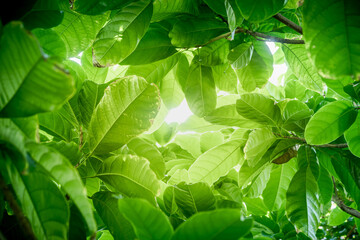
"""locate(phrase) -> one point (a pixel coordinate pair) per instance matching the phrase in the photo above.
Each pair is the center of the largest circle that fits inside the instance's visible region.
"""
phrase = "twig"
(350, 232)
(257, 35)
(288, 22)
(23, 221)
(340, 203)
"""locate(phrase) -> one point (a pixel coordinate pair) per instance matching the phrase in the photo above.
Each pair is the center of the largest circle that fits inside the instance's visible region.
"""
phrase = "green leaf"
(240, 56)
(30, 83)
(296, 110)
(170, 8)
(130, 102)
(217, 6)
(218, 224)
(228, 116)
(333, 43)
(214, 53)
(94, 7)
(258, 70)
(154, 46)
(149, 151)
(337, 217)
(121, 35)
(326, 186)
(50, 42)
(44, 14)
(233, 14)
(62, 171)
(156, 71)
(200, 90)
(216, 162)
(275, 192)
(209, 140)
(60, 123)
(330, 122)
(93, 73)
(170, 90)
(191, 32)
(130, 175)
(259, 108)
(106, 204)
(148, 222)
(256, 11)
(302, 202)
(78, 31)
(300, 64)
(352, 136)
(88, 98)
(255, 206)
(260, 140)
(193, 198)
(41, 200)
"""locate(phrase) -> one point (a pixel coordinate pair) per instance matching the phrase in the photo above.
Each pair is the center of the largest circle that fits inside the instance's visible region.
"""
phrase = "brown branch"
(288, 23)
(340, 203)
(257, 35)
(348, 235)
(23, 221)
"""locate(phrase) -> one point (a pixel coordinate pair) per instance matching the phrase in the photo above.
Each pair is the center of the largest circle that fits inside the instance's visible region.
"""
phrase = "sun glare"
(179, 114)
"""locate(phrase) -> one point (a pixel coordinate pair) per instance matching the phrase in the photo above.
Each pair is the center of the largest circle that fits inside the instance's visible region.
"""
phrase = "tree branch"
(257, 35)
(340, 203)
(23, 221)
(288, 23)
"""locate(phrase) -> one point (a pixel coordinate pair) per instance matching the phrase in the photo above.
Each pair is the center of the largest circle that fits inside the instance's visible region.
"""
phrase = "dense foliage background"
(86, 85)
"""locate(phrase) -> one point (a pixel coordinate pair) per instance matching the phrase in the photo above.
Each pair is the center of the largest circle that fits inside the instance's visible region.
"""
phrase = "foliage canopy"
(86, 152)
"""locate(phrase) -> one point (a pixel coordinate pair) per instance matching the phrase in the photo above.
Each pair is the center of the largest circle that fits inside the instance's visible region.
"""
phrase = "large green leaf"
(228, 116)
(330, 122)
(61, 123)
(258, 108)
(191, 32)
(125, 111)
(130, 175)
(352, 136)
(256, 11)
(235, 19)
(88, 98)
(121, 35)
(156, 71)
(50, 42)
(170, 8)
(258, 70)
(209, 140)
(275, 192)
(300, 64)
(154, 46)
(225, 78)
(106, 205)
(200, 90)
(214, 53)
(302, 202)
(42, 202)
(333, 42)
(30, 83)
(44, 14)
(95, 7)
(78, 31)
(148, 222)
(93, 73)
(240, 56)
(66, 175)
(216, 162)
(149, 151)
(224, 224)
(260, 140)
(193, 198)
(170, 90)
